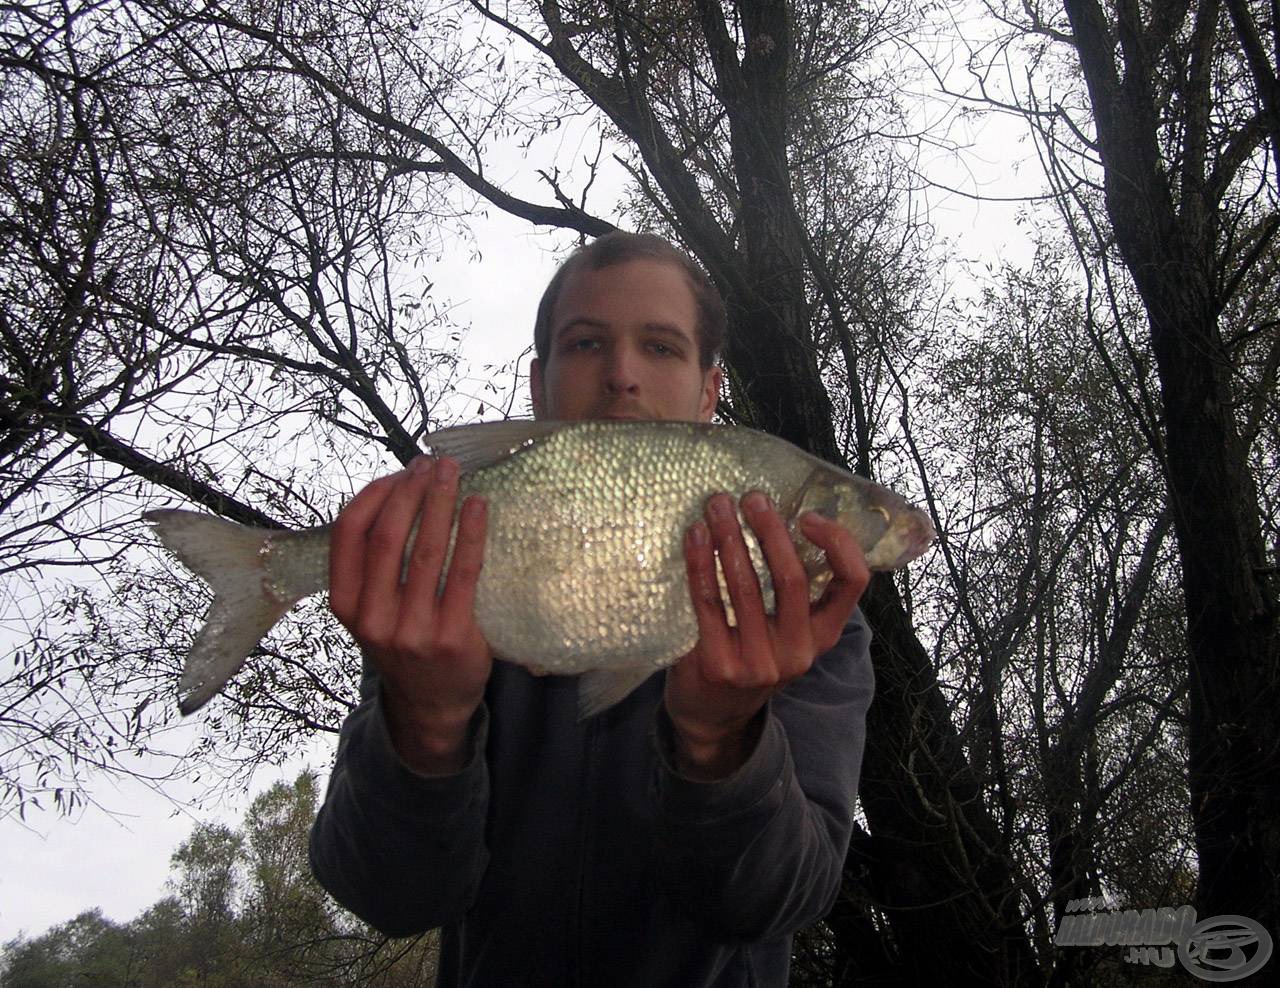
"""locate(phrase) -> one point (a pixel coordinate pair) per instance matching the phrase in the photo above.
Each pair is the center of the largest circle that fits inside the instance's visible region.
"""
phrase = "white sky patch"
(56, 868)
(53, 868)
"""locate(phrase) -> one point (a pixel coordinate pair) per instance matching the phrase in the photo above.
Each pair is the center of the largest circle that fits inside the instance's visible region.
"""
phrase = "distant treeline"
(241, 909)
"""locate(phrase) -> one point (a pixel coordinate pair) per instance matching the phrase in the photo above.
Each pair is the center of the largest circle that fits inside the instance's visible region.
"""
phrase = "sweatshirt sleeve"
(760, 854)
(404, 852)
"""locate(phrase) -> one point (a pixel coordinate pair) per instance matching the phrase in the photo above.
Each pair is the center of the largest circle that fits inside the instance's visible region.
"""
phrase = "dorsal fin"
(483, 444)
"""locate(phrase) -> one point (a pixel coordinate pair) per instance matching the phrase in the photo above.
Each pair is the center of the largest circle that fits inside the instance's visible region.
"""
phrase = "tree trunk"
(949, 893)
(941, 872)
(1231, 612)
(1231, 600)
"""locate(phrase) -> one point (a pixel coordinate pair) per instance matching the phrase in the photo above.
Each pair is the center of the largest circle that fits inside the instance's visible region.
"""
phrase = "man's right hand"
(424, 641)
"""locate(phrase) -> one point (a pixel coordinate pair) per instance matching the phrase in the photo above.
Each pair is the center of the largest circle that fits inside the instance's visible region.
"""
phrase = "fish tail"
(230, 558)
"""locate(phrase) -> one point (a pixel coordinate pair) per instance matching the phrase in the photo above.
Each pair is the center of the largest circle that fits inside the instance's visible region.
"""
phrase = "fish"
(584, 570)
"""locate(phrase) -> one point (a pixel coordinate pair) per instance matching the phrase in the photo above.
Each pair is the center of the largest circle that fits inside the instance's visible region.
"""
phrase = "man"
(679, 838)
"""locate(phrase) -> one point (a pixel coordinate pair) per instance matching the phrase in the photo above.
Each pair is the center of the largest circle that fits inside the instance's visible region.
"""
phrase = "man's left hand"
(714, 693)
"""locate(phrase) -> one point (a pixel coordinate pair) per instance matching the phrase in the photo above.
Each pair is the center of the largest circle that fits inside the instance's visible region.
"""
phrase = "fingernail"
(446, 470)
(721, 506)
(420, 465)
(756, 503)
(698, 533)
(474, 508)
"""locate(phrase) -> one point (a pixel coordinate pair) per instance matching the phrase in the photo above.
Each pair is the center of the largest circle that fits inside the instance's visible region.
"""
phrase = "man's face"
(624, 344)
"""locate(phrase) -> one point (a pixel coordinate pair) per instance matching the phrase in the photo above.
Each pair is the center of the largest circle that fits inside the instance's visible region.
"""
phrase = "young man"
(679, 838)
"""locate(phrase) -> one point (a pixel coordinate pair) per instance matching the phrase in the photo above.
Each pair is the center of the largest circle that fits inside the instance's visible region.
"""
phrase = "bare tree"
(1165, 162)
(202, 298)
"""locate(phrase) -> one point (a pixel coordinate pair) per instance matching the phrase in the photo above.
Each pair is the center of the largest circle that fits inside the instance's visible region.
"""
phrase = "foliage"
(244, 910)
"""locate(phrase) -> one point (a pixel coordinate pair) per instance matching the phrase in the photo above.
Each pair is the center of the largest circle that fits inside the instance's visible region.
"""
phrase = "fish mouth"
(916, 533)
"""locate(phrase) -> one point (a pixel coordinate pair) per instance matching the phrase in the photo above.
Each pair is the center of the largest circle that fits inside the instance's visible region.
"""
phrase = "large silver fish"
(584, 567)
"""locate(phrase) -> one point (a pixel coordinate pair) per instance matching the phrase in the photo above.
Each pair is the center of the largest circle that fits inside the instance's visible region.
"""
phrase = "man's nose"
(621, 373)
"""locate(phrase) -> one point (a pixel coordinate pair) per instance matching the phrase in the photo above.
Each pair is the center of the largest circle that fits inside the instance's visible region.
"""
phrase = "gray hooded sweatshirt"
(572, 853)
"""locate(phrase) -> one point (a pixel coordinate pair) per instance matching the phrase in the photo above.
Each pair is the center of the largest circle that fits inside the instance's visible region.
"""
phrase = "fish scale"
(591, 583)
(584, 568)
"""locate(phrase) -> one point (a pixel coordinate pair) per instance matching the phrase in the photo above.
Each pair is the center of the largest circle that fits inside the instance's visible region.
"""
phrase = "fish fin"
(236, 622)
(600, 689)
(225, 554)
(482, 444)
(229, 557)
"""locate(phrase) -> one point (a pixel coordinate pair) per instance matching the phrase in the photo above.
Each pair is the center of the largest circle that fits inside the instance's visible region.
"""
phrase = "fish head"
(889, 530)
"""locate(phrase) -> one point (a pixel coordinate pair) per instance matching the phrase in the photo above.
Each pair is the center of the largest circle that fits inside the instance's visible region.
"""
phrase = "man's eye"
(584, 344)
(664, 350)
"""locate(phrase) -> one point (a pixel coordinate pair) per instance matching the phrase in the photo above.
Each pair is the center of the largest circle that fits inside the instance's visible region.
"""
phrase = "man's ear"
(710, 394)
(536, 388)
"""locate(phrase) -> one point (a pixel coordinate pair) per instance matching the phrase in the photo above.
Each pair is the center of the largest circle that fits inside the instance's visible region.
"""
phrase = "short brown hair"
(619, 247)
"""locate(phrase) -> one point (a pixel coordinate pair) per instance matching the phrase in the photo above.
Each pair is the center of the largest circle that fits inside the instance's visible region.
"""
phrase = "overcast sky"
(53, 868)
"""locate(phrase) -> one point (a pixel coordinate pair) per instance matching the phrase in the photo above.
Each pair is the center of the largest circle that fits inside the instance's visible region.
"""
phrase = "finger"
(739, 574)
(849, 580)
(384, 562)
(347, 549)
(714, 634)
(430, 548)
(793, 642)
(457, 604)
